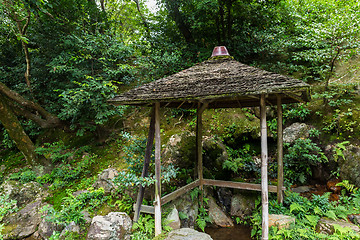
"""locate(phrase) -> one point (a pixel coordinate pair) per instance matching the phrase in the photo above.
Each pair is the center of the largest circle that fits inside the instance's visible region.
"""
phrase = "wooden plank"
(146, 209)
(280, 171)
(157, 203)
(179, 192)
(264, 176)
(238, 185)
(145, 171)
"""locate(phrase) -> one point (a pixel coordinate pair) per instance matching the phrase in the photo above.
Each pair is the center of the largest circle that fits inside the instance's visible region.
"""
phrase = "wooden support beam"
(200, 109)
(238, 185)
(157, 203)
(280, 171)
(295, 97)
(145, 171)
(146, 209)
(179, 192)
(264, 174)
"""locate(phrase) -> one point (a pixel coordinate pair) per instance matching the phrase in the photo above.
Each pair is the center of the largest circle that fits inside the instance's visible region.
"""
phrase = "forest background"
(60, 61)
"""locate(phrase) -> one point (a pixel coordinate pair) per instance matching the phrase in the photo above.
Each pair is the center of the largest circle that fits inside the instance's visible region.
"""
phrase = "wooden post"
(264, 176)
(145, 171)
(157, 203)
(280, 172)
(199, 150)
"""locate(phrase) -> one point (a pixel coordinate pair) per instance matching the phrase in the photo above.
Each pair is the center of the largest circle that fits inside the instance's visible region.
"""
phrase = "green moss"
(104, 210)
(8, 229)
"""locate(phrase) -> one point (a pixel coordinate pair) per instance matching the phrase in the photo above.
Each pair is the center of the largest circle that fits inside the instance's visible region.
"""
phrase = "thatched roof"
(223, 82)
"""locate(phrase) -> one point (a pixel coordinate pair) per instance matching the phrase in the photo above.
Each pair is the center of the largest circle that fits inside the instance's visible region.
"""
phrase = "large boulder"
(327, 226)
(295, 131)
(217, 215)
(23, 223)
(350, 164)
(47, 228)
(281, 221)
(189, 208)
(114, 226)
(242, 204)
(180, 150)
(23, 193)
(173, 219)
(105, 180)
(70, 229)
(187, 234)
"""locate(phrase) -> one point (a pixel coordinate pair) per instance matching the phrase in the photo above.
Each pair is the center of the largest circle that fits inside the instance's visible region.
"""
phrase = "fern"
(347, 185)
(339, 148)
(296, 207)
(312, 219)
(331, 214)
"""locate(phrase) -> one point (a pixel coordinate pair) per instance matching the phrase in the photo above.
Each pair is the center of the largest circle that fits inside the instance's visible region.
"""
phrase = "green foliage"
(202, 218)
(338, 150)
(240, 159)
(134, 154)
(299, 159)
(307, 213)
(296, 112)
(144, 228)
(86, 105)
(24, 176)
(72, 207)
(56, 151)
(350, 188)
(68, 174)
(7, 206)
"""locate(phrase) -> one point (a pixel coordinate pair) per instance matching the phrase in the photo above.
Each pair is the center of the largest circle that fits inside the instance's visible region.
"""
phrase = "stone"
(87, 217)
(187, 207)
(23, 223)
(281, 221)
(105, 180)
(301, 189)
(224, 195)
(70, 228)
(23, 193)
(217, 215)
(242, 204)
(173, 219)
(46, 229)
(114, 226)
(327, 226)
(187, 234)
(350, 166)
(295, 131)
(354, 219)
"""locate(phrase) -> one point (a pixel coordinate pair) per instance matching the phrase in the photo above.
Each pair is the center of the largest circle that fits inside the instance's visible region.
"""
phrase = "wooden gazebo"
(220, 82)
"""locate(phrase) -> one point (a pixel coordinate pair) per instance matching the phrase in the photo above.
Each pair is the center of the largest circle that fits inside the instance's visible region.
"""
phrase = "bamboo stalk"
(145, 171)
(264, 177)
(280, 172)
(157, 203)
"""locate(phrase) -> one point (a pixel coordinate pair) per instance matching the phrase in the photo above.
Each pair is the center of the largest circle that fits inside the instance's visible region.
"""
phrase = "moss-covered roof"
(223, 82)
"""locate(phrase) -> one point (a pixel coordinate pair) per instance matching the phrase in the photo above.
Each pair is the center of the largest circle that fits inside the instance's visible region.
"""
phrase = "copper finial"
(220, 51)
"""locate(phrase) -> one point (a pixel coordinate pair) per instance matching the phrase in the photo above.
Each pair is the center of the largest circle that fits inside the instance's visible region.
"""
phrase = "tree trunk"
(16, 132)
(173, 8)
(28, 109)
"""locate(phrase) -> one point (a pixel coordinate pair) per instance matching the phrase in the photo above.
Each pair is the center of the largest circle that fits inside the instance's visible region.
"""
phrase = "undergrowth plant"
(240, 160)
(307, 213)
(134, 148)
(300, 157)
(7, 206)
(72, 207)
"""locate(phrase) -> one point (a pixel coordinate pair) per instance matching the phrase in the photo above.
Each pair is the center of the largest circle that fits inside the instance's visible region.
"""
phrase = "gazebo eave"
(232, 100)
